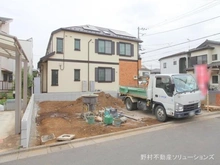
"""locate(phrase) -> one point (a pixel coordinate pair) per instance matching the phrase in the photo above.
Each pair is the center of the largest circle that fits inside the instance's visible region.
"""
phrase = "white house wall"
(170, 68)
(27, 46)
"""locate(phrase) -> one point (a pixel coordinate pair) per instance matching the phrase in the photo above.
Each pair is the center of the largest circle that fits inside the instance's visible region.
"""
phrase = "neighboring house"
(206, 53)
(7, 66)
(27, 46)
(89, 58)
(143, 71)
(176, 63)
(155, 71)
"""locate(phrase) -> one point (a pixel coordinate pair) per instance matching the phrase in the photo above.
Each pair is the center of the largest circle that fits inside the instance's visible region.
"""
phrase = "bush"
(3, 95)
(2, 101)
(10, 96)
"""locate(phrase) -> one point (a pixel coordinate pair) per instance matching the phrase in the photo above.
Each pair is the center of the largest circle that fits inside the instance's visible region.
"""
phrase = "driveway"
(7, 123)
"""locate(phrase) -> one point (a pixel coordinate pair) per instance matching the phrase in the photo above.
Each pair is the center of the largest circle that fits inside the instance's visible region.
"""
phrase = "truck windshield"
(184, 83)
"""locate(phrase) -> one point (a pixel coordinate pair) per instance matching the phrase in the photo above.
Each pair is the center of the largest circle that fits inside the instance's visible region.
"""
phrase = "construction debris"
(66, 137)
(123, 119)
(46, 138)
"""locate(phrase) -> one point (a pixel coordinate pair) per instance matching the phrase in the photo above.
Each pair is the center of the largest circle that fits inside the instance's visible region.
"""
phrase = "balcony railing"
(5, 85)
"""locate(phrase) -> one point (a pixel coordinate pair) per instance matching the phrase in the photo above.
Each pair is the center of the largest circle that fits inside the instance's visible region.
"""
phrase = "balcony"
(5, 86)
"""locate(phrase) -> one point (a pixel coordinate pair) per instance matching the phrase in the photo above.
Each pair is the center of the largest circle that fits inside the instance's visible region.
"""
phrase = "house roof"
(207, 42)
(155, 70)
(4, 19)
(201, 48)
(174, 55)
(100, 31)
(214, 64)
(45, 58)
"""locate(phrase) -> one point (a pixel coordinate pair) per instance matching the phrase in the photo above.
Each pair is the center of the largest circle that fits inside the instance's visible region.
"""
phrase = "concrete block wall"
(10, 104)
(26, 123)
(65, 96)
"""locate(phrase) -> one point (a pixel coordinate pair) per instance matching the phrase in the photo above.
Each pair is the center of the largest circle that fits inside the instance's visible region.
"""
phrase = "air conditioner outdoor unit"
(135, 77)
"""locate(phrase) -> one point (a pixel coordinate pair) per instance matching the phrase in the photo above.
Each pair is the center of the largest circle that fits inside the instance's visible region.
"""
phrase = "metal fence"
(5, 85)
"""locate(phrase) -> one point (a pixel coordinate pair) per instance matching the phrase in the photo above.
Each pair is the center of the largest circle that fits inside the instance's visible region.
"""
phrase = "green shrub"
(10, 96)
(3, 95)
(2, 101)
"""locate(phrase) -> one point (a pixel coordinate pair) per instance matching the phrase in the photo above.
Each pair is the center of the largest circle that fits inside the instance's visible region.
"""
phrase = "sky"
(37, 19)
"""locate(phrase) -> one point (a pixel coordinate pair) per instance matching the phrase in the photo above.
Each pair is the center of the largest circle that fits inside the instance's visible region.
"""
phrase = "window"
(77, 44)
(104, 74)
(164, 65)
(5, 77)
(10, 77)
(215, 79)
(198, 60)
(174, 62)
(125, 49)
(164, 82)
(54, 77)
(202, 59)
(214, 57)
(59, 45)
(105, 47)
(76, 74)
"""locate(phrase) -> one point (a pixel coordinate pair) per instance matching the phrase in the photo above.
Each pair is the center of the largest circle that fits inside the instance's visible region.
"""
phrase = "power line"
(183, 26)
(192, 12)
(180, 43)
(166, 52)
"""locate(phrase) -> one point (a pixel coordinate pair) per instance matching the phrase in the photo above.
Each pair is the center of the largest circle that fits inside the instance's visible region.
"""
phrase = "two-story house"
(7, 65)
(206, 53)
(89, 58)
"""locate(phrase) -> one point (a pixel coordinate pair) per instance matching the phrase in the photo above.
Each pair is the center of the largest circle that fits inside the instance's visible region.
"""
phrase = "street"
(189, 143)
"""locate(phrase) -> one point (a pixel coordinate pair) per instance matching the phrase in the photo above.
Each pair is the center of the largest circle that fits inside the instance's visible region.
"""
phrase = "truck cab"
(166, 95)
(174, 95)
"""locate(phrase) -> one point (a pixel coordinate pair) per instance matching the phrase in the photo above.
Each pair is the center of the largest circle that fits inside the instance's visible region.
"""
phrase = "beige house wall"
(66, 81)
(70, 53)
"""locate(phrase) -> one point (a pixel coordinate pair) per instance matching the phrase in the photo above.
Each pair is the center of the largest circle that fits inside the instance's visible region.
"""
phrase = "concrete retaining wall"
(70, 96)
(10, 104)
(26, 123)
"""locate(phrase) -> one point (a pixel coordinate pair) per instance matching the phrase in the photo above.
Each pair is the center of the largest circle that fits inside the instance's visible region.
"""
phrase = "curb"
(106, 135)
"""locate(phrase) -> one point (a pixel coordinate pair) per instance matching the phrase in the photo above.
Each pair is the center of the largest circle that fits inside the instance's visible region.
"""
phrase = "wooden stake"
(208, 101)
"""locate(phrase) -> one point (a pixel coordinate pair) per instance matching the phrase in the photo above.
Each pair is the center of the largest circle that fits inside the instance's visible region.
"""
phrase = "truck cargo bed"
(133, 91)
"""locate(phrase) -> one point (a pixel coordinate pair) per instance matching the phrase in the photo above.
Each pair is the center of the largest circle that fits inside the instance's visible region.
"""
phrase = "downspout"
(138, 64)
(88, 64)
(63, 52)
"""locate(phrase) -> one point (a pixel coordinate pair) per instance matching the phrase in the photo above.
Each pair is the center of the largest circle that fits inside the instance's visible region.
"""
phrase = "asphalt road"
(192, 143)
(7, 123)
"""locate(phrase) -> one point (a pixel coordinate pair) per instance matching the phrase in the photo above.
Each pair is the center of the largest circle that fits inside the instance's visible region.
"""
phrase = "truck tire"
(129, 105)
(160, 113)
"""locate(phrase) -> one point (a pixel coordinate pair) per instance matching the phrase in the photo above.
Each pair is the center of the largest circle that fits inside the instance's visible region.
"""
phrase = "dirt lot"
(63, 117)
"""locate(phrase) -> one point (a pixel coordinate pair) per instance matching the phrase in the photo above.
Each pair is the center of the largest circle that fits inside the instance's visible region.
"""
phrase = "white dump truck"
(166, 95)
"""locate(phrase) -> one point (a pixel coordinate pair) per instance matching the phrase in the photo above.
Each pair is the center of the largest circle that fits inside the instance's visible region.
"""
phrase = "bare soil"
(9, 143)
(63, 117)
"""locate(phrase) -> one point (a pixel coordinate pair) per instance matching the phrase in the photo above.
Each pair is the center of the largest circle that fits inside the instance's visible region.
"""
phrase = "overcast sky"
(38, 18)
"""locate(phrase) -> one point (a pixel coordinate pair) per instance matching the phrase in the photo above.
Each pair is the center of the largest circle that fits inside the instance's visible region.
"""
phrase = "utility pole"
(138, 49)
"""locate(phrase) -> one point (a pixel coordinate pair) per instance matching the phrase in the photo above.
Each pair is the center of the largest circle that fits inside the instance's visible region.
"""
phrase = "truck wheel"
(129, 105)
(160, 113)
